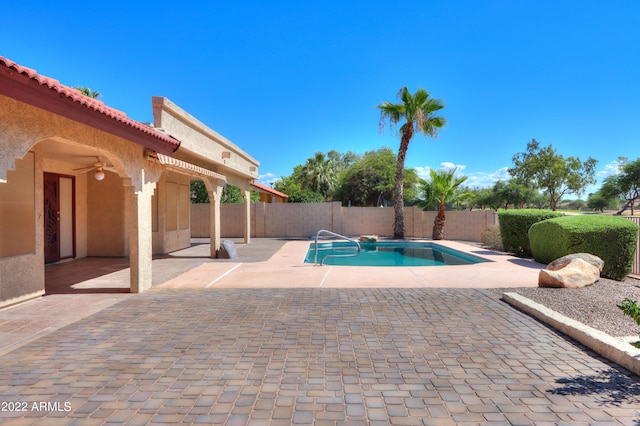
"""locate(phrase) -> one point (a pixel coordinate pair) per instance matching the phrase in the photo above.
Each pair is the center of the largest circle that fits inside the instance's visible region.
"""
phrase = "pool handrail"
(315, 248)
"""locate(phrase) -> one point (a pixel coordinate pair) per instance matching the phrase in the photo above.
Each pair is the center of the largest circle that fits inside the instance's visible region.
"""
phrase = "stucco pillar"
(140, 237)
(247, 214)
(215, 193)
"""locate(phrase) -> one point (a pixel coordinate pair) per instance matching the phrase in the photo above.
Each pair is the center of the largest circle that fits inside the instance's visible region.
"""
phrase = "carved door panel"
(51, 218)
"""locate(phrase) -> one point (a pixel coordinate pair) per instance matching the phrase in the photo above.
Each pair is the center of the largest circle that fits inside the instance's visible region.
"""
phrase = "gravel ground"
(594, 305)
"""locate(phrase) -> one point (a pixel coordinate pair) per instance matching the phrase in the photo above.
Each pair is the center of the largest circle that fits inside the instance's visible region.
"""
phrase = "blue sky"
(283, 80)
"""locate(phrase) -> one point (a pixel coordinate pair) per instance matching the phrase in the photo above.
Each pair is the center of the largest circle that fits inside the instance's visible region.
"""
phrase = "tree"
(513, 193)
(370, 181)
(230, 194)
(342, 161)
(428, 201)
(319, 174)
(292, 186)
(444, 184)
(485, 197)
(418, 113)
(88, 92)
(317, 179)
(235, 195)
(626, 184)
(543, 168)
(199, 194)
(599, 202)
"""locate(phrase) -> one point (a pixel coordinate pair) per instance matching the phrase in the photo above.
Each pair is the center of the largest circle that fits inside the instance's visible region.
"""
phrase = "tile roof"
(28, 77)
(265, 188)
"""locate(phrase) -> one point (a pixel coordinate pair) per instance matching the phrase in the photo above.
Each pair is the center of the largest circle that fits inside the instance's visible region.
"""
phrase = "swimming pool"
(391, 254)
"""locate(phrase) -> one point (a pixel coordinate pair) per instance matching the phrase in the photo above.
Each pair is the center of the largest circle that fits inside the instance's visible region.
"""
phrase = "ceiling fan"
(99, 166)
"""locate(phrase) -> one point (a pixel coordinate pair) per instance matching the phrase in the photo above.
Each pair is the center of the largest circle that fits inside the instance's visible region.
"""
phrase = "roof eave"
(26, 89)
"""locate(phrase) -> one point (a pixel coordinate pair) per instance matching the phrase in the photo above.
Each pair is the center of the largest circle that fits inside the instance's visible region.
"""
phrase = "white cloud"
(475, 180)
(424, 172)
(268, 178)
(487, 180)
(610, 169)
(446, 165)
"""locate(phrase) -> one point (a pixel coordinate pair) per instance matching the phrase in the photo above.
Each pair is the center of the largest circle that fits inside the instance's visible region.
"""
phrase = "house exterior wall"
(20, 279)
(58, 145)
(297, 220)
(203, 146)
(107, 226)
(172, 203)
(271, 198)
(142, 205)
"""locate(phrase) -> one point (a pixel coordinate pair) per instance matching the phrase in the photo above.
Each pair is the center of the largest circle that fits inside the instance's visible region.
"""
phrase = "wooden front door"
(59, 217)
(51, 218)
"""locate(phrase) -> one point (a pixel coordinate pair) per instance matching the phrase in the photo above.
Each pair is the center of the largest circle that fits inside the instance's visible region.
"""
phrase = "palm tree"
(417, 112)
(444, 185)
(88, 92)
(319, 175)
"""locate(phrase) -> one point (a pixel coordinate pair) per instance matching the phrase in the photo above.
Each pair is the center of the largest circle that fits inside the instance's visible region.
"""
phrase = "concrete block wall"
(271, 220)
(367, 220)
(297, 219)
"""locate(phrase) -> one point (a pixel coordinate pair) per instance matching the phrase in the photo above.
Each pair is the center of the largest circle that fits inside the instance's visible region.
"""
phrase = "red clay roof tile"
(269, 190)
(74, 95)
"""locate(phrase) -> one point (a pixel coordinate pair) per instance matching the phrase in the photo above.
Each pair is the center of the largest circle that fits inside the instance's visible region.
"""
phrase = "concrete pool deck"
(503, 271)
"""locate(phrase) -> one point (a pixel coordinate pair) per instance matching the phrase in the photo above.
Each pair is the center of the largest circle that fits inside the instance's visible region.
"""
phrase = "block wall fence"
(294, 220)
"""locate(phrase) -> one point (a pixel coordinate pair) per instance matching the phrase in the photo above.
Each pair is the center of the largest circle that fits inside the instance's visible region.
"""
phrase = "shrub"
(514, 228)
(491, 239)
(631, 308)
(611, 238)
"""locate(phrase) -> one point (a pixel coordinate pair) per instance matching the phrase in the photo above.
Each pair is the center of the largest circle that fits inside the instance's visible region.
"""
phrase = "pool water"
(391, 254)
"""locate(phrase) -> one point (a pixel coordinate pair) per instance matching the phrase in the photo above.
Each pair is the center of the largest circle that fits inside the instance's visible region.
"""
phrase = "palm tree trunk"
(438, 224)
(398, 208)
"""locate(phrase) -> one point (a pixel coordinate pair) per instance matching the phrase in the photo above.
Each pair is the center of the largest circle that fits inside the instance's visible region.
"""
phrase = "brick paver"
(312, 356)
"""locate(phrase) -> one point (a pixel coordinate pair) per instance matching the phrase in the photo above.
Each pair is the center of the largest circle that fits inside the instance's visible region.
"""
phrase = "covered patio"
(79, 179)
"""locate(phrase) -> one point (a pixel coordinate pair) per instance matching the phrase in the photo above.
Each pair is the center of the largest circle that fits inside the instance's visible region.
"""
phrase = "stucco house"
(269, 195)
(78, 179)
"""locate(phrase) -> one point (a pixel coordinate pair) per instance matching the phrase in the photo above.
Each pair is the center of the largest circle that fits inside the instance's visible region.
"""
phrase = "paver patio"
(313, 356)
(421, 354)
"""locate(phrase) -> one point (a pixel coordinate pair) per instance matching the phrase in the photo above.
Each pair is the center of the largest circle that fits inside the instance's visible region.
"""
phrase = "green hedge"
(611, 238)
(514, 228)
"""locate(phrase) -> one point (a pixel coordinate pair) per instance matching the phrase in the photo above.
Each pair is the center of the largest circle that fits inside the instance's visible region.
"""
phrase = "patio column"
(140, 237)
(247, 214)
(214, 218)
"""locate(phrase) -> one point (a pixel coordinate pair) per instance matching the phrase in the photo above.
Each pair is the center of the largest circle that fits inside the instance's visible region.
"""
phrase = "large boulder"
(571, 271)
(587, 257)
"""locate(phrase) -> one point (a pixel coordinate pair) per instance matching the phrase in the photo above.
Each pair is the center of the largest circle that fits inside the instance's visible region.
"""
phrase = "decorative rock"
(572, 271)
(587, 257)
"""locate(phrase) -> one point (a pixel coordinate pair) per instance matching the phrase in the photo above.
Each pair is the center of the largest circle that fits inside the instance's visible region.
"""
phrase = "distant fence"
(636, 262)
(277, 220)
